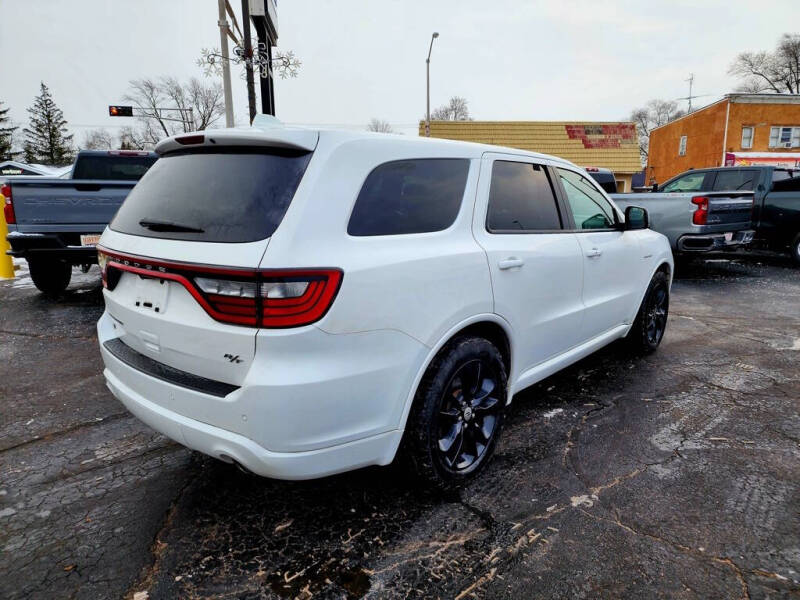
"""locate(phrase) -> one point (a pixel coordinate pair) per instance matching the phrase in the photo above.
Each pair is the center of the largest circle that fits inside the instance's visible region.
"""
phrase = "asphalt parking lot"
(676, 475)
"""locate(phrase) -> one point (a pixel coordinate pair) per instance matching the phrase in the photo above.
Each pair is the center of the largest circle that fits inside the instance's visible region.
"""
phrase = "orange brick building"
(614, 145)
(739, 129)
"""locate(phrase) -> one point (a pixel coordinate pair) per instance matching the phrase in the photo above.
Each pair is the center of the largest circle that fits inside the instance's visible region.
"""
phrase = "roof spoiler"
(266, 131)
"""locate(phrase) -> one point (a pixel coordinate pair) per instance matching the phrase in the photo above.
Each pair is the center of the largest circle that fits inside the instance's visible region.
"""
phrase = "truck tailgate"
(46, 202)
(729, 209)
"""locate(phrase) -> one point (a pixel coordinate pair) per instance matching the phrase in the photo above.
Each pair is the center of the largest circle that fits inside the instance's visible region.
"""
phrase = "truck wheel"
(651, 321)
(51, 277)
(794, 250)
(457, 414)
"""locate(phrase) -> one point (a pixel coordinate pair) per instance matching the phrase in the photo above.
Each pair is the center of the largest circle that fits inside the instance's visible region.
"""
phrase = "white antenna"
(689, 98)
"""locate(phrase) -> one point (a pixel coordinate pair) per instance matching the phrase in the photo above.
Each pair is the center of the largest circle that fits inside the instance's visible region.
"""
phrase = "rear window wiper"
(153, 225)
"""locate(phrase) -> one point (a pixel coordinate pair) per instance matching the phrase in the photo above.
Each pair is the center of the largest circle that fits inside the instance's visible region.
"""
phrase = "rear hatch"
(727, 211)
(180, 257)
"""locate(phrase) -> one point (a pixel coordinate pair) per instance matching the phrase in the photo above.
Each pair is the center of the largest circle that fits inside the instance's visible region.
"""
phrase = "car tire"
(650, 324)
(457, 414)
(794, 251)
(51, 277)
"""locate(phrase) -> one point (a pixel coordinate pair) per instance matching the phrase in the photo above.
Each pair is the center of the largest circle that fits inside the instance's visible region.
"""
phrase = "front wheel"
(51, 277)
(651, 321)
(458, 413)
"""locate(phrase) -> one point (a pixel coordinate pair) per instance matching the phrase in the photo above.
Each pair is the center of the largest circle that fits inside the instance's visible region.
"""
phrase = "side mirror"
(655, 187)
(636, 218)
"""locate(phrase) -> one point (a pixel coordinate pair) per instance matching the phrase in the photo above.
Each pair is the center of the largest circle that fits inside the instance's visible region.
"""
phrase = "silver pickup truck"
(696, 221)
(54, 223)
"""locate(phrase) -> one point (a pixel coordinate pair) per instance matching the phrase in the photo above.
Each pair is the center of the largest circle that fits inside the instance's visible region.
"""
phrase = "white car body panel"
(335, 395)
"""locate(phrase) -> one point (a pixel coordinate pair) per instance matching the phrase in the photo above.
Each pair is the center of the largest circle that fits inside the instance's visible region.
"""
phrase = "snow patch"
(584, 500)
(7, 512)
(552, 413)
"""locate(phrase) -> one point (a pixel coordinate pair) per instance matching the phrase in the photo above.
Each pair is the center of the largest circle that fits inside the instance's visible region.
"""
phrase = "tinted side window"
(693, 182)
(521, 198)
(736, 179)
(788, 184)
(589, 207)
(410, 196)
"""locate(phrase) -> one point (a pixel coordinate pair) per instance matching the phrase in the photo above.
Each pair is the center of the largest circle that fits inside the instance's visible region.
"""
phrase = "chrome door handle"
(510, 263)
(594, 252)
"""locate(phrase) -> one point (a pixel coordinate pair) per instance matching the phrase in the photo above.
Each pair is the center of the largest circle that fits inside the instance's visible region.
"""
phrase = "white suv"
(308, 302)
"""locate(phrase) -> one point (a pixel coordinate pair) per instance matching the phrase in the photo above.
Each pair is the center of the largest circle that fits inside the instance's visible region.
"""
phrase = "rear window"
(410, 196)
(118, 168)
(736, 179)
(236, 196)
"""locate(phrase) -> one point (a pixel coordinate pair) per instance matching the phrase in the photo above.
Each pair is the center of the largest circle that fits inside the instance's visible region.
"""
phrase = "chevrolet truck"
(55, 223)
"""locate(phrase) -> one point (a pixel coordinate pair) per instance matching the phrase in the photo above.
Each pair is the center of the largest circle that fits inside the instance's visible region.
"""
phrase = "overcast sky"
(512, 60)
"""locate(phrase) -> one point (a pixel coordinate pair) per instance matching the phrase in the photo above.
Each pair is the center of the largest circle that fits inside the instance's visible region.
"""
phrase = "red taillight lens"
(294, 298)
(700, 215)
(269, 298)
(8, 205)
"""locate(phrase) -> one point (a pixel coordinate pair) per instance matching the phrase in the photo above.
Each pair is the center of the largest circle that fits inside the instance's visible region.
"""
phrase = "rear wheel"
(458, 413)
(794, 250)
(651, 321)
(51, 277)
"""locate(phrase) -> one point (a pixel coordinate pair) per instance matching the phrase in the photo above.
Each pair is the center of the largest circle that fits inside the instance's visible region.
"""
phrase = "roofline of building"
(742, 99)
(578, 122)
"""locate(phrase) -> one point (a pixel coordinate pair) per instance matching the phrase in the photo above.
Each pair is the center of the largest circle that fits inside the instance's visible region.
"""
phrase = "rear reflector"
(8, 205)
(272, 298)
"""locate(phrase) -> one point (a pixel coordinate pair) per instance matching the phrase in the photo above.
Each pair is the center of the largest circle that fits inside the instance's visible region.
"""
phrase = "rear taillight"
(8, 204)
(257, 298)
(700, 215)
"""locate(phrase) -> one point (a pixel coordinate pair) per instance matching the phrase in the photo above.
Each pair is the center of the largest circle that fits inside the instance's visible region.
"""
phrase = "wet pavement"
(676, 475)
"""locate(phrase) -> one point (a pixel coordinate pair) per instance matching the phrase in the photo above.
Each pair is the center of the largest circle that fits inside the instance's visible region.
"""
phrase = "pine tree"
(46, 139)
(6, 134)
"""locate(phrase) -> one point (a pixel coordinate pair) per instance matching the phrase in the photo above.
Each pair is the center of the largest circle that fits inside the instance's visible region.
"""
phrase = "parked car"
(306, 302)
(776, 208)
(605, 177)
(696, 218)
(54, 223)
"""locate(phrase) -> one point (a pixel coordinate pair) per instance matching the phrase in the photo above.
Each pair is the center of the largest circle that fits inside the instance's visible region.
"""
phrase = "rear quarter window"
(410, 196)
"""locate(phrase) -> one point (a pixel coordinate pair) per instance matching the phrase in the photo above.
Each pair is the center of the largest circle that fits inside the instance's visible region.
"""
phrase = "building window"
(682, 146)
(784, 137)
(747, 137)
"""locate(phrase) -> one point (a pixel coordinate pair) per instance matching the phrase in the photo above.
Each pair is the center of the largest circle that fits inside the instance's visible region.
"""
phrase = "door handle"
(510, 263)
(594, 252)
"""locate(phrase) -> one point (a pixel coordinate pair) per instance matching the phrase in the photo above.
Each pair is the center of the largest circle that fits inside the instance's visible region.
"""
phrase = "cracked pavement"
(676, 475)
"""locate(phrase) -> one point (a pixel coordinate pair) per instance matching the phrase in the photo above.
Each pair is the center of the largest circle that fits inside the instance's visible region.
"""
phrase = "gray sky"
(513, 60)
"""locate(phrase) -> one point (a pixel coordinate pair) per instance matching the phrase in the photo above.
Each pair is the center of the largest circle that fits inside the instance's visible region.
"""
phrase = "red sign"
(602, 136)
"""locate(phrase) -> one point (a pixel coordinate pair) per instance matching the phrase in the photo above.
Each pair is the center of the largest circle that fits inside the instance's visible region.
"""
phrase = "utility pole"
(428, 95)
(248, 51)
(691, 81)
(226, 67)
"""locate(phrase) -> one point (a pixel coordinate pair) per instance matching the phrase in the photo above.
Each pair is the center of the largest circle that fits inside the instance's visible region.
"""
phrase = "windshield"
(236, 196)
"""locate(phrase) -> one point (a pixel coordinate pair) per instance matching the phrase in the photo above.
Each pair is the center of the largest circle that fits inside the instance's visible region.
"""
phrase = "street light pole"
(226, 68)
(428, 95)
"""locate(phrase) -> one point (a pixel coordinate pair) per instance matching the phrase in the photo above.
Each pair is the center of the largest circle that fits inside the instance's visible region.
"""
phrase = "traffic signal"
(120, 111)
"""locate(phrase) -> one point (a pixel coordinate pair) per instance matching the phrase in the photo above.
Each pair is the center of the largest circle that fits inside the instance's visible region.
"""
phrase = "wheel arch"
(489, 326)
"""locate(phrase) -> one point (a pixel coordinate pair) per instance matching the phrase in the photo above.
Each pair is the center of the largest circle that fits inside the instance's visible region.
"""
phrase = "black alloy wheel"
(468, 415)
(457, 414)
(656, 314)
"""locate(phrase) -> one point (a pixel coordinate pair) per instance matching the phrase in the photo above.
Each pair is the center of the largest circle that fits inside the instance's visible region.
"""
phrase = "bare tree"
(456, 109)
(380, 126)
(654, 114)
(98, 139)
(150, 96)
(776, 72)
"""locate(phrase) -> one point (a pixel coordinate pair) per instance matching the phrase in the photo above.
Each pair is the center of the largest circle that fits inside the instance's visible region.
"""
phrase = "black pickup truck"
(54, 223)
(776, 200)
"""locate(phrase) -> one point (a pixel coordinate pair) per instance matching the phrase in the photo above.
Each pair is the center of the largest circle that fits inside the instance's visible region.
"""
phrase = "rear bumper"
(714, 241)
(50, 246)
(312, 404)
